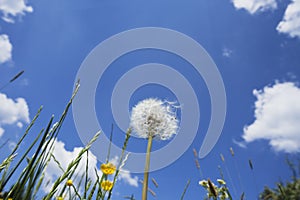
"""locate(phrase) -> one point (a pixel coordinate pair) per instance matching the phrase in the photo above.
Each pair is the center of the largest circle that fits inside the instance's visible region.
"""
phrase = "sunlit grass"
(28, 183)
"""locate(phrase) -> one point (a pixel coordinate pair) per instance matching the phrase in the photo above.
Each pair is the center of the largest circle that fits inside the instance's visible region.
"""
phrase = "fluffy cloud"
(64, 157)
(253, 6)
(291, 20)
(277, 116)
(5, 48)
(12, 111)
(1, 131)
(290, 24)
(125, 174)
(128, 178)
(13, 8)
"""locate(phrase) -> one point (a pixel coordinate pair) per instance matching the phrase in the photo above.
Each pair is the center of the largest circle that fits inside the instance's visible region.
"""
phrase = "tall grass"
(27, 184)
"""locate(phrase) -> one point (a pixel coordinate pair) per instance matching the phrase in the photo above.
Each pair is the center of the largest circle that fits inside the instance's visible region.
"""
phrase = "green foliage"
(288, 191)
(27, 184)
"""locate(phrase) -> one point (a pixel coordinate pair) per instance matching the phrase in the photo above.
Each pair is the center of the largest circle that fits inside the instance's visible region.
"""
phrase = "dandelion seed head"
(153, 117)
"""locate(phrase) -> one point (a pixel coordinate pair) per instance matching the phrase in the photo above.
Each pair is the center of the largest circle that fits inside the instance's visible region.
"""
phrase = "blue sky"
(255, 46)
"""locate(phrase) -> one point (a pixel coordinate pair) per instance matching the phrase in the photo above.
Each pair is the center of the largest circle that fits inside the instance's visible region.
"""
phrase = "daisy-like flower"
(222, 182)
(203, 183)
(108, 168)
(107, 185)
(69, 182)
(153, 117)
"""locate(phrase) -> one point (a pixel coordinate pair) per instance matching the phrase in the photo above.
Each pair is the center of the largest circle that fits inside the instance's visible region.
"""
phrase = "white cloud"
(125, 174)
(1, 131)
(19, 124)
(12, 111)
(253, 6)
(64, 157)
(11, 145)
(226, 52)
(290, 23)
(241, 144)
(277, 116)
(127, 178)
(5, 48)
(13, 8)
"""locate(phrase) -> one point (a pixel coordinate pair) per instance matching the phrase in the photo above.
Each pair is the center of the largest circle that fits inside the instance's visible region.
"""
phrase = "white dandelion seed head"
(154, 117)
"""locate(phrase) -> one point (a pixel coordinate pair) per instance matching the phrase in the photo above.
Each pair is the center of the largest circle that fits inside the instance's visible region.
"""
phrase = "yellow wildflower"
(107, 185)
(59, 198)
(108, 168)
(69, 182)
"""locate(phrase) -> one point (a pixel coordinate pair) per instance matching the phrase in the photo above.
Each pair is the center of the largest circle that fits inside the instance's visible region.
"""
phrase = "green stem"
(146, 172)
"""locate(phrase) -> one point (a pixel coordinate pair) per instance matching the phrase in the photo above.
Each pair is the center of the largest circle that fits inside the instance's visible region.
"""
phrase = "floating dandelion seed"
(153, 117)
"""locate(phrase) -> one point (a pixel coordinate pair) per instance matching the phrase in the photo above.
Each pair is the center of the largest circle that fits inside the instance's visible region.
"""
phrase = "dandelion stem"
(146, 172)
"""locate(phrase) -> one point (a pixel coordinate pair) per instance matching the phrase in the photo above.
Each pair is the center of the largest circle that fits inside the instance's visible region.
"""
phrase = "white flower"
(153, 117)
(203, 183)
(222, 182)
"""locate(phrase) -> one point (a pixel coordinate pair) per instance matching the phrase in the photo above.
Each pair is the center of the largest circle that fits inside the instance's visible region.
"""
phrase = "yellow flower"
(10, 198)
(59, 198)
(108, 168)
(69, 182)
(107, 185)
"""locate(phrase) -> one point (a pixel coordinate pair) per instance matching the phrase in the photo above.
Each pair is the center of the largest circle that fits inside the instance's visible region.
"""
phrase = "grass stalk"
(121, 163)
(185, 189)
